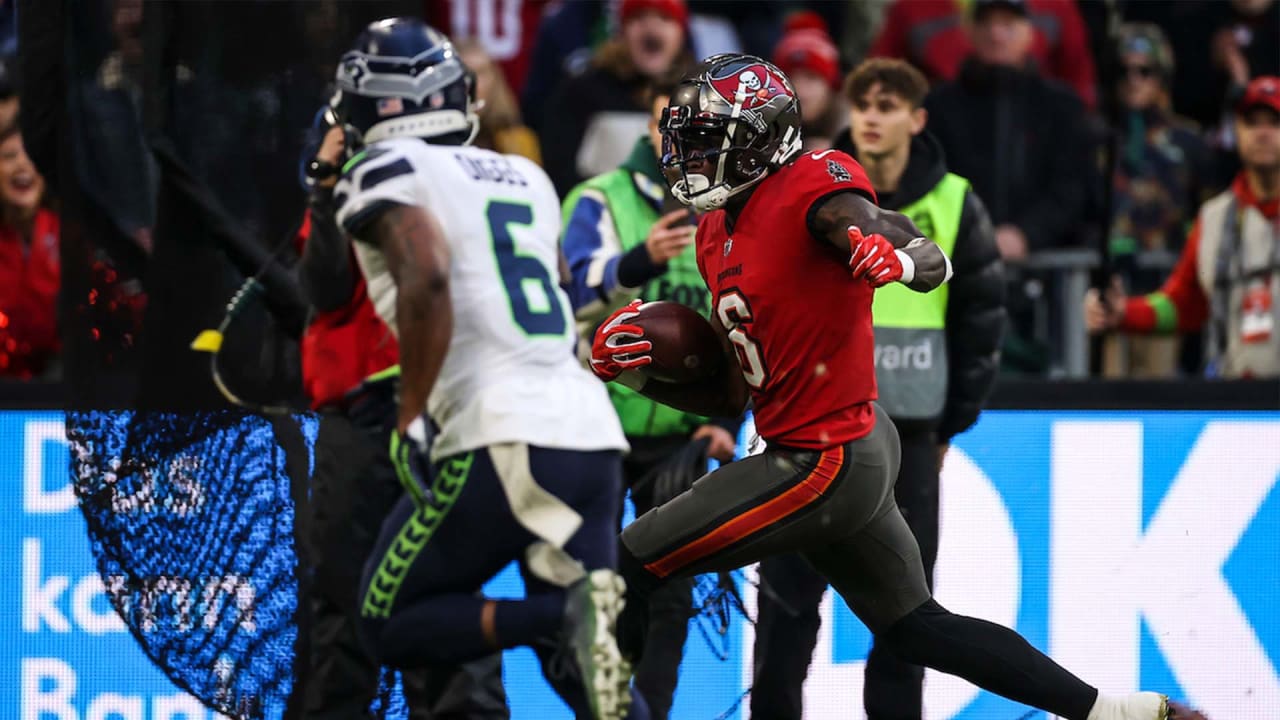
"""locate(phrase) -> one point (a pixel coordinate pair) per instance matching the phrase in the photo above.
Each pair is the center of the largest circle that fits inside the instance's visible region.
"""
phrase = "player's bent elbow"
(436, 281)
(423, 292)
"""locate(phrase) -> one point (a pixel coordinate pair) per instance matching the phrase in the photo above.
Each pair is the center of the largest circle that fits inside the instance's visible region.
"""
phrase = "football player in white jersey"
(458, 246)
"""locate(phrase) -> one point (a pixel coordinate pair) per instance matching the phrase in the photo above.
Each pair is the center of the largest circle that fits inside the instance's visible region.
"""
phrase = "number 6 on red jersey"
(733, 309)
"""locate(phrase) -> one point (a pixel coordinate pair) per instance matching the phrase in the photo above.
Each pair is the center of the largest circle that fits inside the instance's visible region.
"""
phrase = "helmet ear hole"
(747, 165)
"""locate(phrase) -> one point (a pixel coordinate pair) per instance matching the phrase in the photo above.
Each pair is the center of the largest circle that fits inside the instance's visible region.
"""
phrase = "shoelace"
(561, 664)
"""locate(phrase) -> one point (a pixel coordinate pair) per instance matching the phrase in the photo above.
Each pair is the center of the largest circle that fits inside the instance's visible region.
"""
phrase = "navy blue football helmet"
(402, 78)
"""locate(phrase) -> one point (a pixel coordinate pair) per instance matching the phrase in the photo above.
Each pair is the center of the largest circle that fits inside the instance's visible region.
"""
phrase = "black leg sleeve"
(992, 657)
(893, 689)
(633, 622)
(786, 631)
(657, 675)
(670, 606)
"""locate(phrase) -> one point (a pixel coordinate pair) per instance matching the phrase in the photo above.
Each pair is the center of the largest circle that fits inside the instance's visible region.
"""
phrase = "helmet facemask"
(709, 157)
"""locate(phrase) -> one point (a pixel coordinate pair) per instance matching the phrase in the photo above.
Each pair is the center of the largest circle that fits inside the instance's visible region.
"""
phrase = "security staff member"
(623, 239)
(936, 359)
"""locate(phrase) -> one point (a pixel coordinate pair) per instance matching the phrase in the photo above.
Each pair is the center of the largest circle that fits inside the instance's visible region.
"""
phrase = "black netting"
(190, 518)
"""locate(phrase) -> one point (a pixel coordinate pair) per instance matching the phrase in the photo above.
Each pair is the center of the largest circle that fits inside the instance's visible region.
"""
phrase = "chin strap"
(710, 198)
(426, 125)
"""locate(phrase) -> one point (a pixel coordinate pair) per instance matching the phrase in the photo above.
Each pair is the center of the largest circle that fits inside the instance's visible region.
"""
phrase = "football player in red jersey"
(791, 247)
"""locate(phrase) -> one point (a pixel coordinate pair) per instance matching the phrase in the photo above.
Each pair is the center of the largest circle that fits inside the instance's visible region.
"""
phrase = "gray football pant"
(836, 507)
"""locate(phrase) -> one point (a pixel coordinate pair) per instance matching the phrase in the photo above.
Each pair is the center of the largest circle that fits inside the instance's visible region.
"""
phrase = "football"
(685, 346)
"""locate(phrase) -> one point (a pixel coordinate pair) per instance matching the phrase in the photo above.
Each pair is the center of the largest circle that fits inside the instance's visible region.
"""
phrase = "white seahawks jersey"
(510, 374)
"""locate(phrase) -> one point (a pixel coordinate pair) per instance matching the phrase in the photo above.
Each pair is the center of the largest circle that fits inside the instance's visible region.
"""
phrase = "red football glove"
(618, 345)
(873, 258)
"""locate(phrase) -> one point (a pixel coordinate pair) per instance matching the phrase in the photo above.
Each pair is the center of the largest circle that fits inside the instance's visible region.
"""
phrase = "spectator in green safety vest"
(624, 238)
(936, 356)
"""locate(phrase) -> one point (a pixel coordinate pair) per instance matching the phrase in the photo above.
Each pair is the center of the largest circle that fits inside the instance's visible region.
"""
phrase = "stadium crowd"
(1080, 128)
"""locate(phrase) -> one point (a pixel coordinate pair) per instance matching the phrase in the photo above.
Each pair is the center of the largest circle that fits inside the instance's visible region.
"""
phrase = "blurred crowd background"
(151, 152)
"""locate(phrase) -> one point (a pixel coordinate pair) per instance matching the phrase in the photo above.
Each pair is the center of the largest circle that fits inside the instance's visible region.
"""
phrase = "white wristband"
(908, 267)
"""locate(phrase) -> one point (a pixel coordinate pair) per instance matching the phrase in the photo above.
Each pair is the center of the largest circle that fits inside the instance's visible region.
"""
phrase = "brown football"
(685, 346)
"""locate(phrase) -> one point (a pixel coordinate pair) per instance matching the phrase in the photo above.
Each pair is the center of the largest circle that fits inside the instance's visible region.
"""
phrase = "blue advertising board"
(1141, 549)
(64, 652)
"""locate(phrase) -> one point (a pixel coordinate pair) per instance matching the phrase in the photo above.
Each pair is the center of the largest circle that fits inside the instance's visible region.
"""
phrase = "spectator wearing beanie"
(810, 59)
(591, 121)
(1160, 176)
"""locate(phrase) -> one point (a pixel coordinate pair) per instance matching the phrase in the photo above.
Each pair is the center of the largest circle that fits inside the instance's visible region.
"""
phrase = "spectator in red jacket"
(29, 267)
(933, 35)
(1228, 278)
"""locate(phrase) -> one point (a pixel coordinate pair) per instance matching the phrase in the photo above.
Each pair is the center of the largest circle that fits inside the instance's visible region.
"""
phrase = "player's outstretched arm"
(418, 259)
(923, 264)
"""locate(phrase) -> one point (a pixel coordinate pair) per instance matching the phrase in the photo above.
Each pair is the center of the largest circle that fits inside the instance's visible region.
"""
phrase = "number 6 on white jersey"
(733, 310)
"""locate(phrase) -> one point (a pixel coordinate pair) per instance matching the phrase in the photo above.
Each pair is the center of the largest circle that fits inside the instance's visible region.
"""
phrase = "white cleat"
(1141, 706)
(592, 613)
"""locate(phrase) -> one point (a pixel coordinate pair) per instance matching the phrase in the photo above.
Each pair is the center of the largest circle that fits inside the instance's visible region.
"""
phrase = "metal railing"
(1059, 317)
(1059, 314)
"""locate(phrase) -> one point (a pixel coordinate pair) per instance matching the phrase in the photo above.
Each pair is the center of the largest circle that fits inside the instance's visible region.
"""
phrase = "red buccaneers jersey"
(506, 29)
(801, 325)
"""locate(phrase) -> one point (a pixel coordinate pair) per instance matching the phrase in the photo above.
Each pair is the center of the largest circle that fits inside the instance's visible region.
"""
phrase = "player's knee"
(370, 631)
(399, 643)
(640, 582)
(673, 600)
(912, 635)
